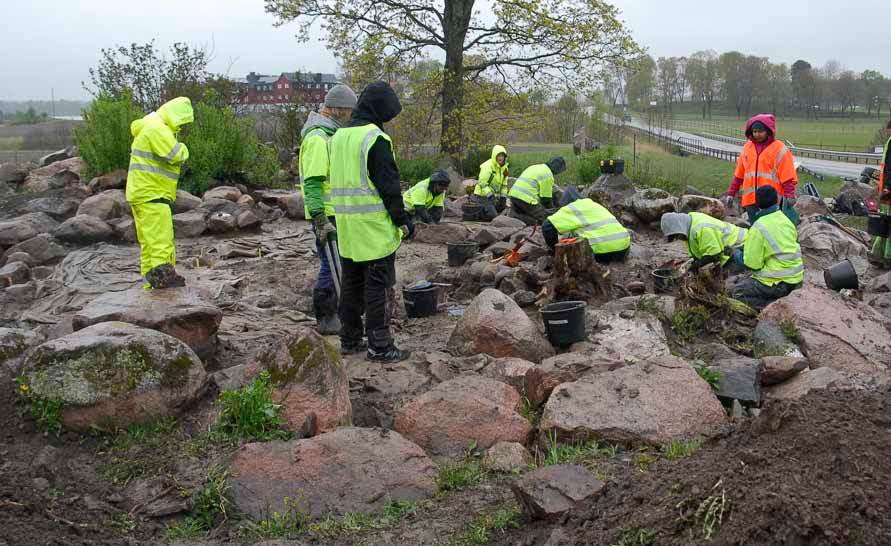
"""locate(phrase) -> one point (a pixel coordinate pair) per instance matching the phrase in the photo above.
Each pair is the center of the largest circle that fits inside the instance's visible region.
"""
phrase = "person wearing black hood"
(531, 196)
(371, 222)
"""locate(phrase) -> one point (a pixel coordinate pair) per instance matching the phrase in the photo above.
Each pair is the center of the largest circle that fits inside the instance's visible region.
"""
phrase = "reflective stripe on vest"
(777, 252)
(777, 269)
(154, 170)
(751, 179)
(584, 210)
(531, 187)
(365, 230)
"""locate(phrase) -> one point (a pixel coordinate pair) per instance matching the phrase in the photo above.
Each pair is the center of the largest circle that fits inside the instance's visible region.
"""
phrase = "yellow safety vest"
(314, 163)
(709, 236)
(594, 223)
(365, 230)
(773, 252)
(535, 183)
(155, 155)
(420, 195)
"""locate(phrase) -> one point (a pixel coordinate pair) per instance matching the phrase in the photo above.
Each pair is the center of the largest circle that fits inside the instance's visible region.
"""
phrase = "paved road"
(822, 166)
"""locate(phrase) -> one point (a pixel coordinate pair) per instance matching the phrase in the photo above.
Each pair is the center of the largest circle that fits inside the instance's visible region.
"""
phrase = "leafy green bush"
(470, 163)
(250, 414)
(46, 412)
(103, 139)
(416, 169)
(224, 146)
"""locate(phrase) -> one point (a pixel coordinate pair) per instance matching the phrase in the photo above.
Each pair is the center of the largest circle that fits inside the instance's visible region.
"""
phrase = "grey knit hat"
(340, 96)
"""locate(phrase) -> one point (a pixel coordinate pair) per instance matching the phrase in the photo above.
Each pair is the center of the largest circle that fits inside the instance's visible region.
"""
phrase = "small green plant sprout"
(209, 506)
(790, 330)
(678, 449)
(290, 523)
(453, 476)
(643, 460)
(711, 377)
(250, 413)
(480, 530)
(636, 537)
(711, 511)
(46, 412)
(528, 410)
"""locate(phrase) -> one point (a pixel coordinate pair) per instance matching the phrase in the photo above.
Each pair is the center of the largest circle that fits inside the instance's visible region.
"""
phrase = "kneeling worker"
(156, 158)
(424, 200)
(532, 193)
(491, 187)
(708, 239)
(772, 252)
(608, 238)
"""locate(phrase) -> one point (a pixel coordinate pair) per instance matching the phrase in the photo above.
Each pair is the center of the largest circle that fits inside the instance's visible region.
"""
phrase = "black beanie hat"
(766, 197)
(556, 164)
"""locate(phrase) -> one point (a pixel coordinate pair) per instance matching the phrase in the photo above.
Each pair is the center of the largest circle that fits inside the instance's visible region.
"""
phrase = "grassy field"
(654, 167)
(844, 134)
(11, 143)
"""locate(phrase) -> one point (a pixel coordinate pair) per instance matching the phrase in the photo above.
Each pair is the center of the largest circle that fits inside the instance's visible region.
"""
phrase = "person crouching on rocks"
(424, 201)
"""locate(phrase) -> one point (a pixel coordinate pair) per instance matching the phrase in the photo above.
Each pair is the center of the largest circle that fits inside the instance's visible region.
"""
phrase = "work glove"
(727, 200)
(408, 230)
(324, 228)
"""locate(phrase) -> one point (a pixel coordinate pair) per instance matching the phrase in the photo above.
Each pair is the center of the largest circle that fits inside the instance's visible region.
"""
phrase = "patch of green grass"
(636, 536)
(291, 523)
(648, 304)
(711, 512)
(790, 330)
(453, 476)
(148, 434)
(210, 506)
(711, 377)
(689, 323)
(11, 144)
(480, 530)
(678, 449)
(530, 412)
(123, 523)
(576, 452)
(46, 412)
(123, 470)
(643, 460)
(250, 414)
(352, 523)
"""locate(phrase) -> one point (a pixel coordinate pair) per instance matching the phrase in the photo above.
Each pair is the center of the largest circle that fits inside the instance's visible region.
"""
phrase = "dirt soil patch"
(804, 473)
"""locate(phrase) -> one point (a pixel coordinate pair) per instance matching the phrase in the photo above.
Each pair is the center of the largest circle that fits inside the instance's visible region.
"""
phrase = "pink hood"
(767, 119)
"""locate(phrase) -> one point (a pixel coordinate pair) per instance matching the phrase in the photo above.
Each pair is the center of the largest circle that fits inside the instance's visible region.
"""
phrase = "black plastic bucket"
(840, 276)
(420, 302)
(877, 225)
(461, 252)
(471, 212)
(663, 278)
(564, 322)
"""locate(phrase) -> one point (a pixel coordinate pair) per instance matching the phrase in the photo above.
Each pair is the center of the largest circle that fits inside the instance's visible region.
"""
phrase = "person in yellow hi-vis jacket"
(156, 158)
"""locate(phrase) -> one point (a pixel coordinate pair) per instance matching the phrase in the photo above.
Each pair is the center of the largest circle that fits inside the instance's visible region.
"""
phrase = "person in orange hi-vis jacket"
(764, 161)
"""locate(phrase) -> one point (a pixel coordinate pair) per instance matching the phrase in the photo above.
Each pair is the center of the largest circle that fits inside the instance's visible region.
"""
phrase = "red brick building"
(260, 89)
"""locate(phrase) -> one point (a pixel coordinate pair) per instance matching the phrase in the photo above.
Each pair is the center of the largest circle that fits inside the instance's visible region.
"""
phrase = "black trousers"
(489, 205)
(364, 290)
(529, 214)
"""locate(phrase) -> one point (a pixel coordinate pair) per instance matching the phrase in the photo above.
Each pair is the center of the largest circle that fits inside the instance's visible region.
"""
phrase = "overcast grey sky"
(50, 44)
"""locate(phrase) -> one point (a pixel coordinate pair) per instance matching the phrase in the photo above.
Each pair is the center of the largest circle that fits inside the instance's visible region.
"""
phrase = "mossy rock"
(115, 373)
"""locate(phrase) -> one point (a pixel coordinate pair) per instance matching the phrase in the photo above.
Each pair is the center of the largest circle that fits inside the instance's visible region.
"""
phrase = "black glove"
(547, 202)
(436, 214)
(421, 215)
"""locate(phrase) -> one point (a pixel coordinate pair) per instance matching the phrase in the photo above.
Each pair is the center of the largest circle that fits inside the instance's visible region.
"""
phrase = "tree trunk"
(576, 275)
(456, 18)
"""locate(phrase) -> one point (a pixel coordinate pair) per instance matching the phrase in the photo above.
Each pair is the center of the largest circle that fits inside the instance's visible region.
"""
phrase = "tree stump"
(576, 275)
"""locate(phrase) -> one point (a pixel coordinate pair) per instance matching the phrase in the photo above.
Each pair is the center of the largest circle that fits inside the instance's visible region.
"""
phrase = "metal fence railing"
(23, 156)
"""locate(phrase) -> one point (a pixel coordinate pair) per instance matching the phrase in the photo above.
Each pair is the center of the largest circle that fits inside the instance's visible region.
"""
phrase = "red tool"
(514, 257)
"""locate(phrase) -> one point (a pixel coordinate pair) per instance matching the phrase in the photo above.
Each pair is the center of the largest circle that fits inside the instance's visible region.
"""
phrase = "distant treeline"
(62, 107)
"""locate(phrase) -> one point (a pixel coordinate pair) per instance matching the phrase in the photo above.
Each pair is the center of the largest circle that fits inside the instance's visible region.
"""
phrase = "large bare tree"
(549, 43)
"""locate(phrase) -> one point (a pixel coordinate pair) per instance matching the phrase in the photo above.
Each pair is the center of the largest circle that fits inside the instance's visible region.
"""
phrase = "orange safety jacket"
(773, 166)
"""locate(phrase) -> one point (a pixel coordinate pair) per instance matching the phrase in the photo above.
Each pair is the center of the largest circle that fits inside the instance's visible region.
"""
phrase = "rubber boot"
(164, 276)
(324, 305)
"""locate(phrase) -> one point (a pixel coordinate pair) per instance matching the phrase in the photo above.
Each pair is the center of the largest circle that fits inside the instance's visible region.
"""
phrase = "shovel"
(332, 254)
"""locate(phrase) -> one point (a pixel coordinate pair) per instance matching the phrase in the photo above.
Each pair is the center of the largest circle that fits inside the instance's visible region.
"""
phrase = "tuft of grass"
(454, 476)
(577, 452)
(529, 411)
(250, 414)
(690, 322)
(480, 530)
(643, 460)
(790, 330)
(636, 536)
(711, 377)
(650, 305)
(678, 449)
(123, 523)
(352, 523)
(121, 470)
(711, 512)
(209, 507)
(291, 523)
(46, 412)
(147, 434)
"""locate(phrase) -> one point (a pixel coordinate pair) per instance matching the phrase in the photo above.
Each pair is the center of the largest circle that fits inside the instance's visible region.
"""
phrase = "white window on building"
(287, 86)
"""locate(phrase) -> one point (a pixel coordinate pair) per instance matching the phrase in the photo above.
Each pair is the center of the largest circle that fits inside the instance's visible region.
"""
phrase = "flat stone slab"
(178, 312)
